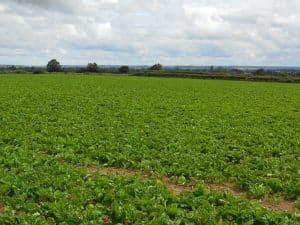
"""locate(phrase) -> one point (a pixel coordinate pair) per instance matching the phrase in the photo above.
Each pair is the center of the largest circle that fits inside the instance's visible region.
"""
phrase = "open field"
(283, 77)
(78, 149)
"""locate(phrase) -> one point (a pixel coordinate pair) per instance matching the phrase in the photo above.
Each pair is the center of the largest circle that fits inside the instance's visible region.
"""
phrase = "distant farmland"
(83, 149)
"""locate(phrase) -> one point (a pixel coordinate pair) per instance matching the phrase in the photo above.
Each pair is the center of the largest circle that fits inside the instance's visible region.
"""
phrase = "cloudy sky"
(184, 32)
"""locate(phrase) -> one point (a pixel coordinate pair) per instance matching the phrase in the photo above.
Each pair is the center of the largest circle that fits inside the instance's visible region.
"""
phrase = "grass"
(192, 131)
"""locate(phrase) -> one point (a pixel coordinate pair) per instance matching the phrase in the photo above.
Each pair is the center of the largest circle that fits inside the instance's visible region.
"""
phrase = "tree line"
(54, 66)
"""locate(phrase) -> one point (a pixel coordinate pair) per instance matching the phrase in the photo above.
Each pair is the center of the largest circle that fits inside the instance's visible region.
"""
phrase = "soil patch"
(2, 209)
(225, 186)
(281, 206)
(177, 189)
(106, 220)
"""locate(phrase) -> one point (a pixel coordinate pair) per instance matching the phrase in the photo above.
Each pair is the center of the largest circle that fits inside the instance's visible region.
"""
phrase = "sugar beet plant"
(197, 131)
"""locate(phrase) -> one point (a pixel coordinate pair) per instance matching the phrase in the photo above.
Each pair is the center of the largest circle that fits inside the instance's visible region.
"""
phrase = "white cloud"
(138, 32)
(2, 8)
(206, 22)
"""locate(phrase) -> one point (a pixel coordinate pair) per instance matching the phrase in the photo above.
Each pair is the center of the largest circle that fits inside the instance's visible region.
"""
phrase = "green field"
(53, 128)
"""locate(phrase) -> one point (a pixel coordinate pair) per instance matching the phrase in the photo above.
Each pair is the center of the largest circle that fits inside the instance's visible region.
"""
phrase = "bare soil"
(2, 209)
(106, 220)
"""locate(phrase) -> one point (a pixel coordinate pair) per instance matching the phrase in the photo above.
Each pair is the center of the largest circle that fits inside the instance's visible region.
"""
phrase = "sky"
(144, 32)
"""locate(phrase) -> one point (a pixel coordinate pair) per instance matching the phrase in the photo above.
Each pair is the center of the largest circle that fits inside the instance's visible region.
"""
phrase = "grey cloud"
(65, 5)
(134, 31)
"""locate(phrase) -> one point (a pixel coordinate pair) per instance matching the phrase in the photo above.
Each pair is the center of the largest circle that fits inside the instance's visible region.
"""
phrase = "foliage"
(92, 68)
(243, 132)
(124, 69)
(156, 67)
(260, 72)
(49, 192)
(37, 71)
(53, 66)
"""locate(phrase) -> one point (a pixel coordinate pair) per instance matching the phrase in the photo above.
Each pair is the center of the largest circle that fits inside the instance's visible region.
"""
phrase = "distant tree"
(12, 68)
(219, 69)
(92, 68)
(80, 69)
(156, 67)
(124, 69)
(36, 70)
(53, 66)
(260, 72)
